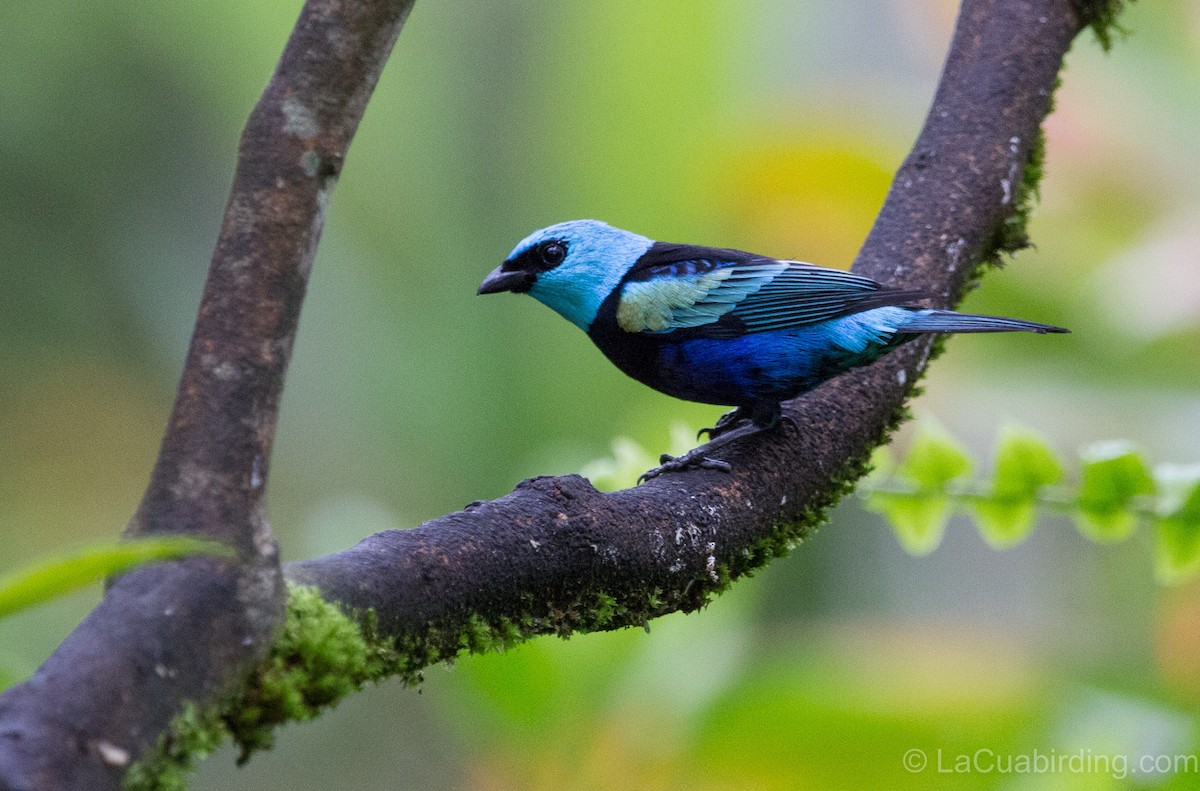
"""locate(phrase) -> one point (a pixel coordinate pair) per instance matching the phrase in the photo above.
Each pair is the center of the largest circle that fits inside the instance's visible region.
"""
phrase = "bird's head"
(570, 267)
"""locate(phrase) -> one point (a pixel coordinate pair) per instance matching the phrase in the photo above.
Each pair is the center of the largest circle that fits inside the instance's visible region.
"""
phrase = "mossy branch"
(543, 558)
(557, 556)
(554, 557)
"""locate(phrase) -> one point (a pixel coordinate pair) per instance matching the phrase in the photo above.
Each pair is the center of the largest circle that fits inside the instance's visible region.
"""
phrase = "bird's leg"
(761, 417)
(697, 458)
(726, 423)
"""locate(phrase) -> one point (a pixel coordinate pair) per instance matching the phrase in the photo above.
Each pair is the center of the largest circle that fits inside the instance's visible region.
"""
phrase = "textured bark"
(555, 555)
(190, 631)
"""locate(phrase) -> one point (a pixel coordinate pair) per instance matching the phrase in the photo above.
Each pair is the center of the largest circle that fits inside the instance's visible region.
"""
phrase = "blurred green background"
(766, 125)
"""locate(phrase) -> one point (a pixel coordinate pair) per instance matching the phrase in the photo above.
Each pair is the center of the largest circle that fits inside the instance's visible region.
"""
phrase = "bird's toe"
(726, 423)
(692, 460)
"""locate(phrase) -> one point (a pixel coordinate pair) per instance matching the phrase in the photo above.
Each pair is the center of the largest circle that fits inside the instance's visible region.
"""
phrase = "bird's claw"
(688, 461)
(726, 423)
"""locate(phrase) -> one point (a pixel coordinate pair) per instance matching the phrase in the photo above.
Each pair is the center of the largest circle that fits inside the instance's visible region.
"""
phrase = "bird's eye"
(553, 253)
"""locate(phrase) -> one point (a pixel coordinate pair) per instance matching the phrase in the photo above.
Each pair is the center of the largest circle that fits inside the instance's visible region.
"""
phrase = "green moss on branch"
(1101, 16)
(319, 657)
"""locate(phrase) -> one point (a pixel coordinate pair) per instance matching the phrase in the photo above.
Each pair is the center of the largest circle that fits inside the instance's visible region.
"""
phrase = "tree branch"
(190, 631)
(557, 556)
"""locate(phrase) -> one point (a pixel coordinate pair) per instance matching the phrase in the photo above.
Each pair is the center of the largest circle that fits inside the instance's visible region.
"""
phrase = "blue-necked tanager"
(720, 326)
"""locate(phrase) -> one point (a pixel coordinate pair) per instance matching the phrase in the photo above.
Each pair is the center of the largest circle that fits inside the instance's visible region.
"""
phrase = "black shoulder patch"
(667, 259)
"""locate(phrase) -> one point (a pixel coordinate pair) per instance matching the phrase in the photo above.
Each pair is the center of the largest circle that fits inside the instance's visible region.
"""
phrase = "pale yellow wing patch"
(663, 303)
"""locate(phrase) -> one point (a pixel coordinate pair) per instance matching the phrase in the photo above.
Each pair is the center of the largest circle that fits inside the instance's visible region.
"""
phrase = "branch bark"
(191, 630)
(553, 556)
(557, 556)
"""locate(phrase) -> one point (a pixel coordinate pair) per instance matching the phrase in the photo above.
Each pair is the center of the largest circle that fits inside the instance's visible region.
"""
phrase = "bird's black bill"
(518, 282)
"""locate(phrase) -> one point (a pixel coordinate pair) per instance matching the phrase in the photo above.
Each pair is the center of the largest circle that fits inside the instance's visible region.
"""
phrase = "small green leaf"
(1003, 523)
(1112, 475)
(917, 518)
(620, 471)
(934, 459)
(52, 577)
(1177, 548)
(1024, 464)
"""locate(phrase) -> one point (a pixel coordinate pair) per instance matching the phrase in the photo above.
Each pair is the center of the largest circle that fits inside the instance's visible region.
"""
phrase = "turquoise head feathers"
(570, 267)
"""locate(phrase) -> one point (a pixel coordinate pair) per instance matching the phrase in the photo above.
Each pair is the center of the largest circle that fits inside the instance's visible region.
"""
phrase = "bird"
(720, 326)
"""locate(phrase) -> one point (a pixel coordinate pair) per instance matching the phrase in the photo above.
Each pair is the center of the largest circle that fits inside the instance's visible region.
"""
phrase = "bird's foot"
(732, 426)
(692, 460)
(726, 423)
(700, 458)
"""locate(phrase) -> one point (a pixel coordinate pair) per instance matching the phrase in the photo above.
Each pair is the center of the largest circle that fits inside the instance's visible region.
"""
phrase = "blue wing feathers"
(721, 326)
(724, 294)
(717, 298)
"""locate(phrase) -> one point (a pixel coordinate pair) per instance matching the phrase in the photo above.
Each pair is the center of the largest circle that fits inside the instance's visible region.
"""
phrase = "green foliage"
(1023, 466)
(919, 514)
(57, 576)
(1177, 556)
(1111, 476)
(1116, 491)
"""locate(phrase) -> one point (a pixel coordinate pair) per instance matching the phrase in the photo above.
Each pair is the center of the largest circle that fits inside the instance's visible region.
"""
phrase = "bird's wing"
(725, 299)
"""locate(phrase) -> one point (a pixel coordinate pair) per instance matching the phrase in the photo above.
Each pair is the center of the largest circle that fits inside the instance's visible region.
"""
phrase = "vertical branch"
(190, 631)
(213, 464)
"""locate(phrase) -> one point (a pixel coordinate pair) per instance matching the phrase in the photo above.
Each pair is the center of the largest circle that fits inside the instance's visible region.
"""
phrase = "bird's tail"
(949, 321)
